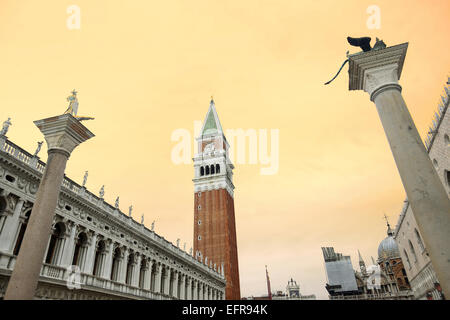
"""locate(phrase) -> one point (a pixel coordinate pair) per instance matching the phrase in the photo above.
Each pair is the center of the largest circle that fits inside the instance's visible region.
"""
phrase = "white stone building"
(413, 251)
(95, 250)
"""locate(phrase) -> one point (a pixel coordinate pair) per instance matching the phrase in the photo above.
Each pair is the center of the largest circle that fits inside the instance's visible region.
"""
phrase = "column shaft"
(24, 279)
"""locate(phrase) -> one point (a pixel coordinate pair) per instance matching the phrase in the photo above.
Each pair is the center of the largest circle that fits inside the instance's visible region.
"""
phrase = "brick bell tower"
(214, 223)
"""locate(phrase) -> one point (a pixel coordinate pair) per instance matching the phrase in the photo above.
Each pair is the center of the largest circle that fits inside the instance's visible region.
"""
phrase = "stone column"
(136, 271)
(377, 72)
(158, 278)
(106, 270)
(62, 133)
(90, 255)
(182, 286)
(195, 287)
(167, 280)
(122, 277)
(148, 275)
(175, 285)
(10, 228)
(188, 288)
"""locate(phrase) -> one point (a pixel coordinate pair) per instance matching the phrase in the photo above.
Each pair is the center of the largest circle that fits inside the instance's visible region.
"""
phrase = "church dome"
(388, 248)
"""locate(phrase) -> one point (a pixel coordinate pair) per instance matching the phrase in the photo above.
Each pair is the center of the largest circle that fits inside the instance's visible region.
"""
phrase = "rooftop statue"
(6, 126)
(364, 44)
(38, 148)
(73, 107)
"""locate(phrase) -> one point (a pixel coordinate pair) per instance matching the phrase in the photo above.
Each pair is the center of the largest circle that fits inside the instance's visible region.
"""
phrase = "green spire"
(211, 124)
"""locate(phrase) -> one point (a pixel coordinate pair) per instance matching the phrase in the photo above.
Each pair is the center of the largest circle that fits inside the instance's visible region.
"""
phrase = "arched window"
(23, 228)
(217, 168)
(419, 239)
(163, 279)
(99, 258)
(412, 250)
(212, 169)
(153, 277)
(142, 272)
(407, 258)
(80, 249)
(130, 266)
(202, 171)
(115, 264)
(56, 240)
(207, 170)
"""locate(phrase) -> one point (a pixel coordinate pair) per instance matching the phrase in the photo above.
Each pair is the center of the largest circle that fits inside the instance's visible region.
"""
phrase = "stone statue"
(85, 178)
(153, 225)
(190, 251)
(130, 210)
(73, 104)
(364, 44)
(73, 107)
(206, 260)
(184, 247)
(38, 148)
(142, 219)
(6, 126)
(178, 243)
(102, 191)
(117, 203)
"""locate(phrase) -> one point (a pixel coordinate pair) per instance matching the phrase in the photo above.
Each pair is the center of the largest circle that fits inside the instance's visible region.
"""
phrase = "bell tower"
(214, 221)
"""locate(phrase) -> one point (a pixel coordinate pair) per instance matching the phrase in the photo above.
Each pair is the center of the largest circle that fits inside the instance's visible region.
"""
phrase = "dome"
(388, 249)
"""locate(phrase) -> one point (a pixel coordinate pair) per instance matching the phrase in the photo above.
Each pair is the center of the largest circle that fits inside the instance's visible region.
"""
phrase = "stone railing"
(59, 275)
(378, 296)
(68, 185)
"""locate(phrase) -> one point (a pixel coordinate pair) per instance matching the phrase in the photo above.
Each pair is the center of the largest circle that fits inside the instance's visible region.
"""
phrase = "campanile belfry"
(214, 223)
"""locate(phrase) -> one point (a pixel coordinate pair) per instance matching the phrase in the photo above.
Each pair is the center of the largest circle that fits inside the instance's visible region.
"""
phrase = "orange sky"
(146, 68)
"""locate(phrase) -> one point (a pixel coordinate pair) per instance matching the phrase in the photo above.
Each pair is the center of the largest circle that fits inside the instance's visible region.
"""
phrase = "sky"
(145, 69)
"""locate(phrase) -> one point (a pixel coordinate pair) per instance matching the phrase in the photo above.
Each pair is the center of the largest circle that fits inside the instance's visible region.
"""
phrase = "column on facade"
(90, 254)
(148, 275)
(59, 249)
(136, 270)
(106, 269)
(188, 288)
(182, 286)
(167, 279)
(175, 284)
(10, 228)
(158, 277)
(123, 266)
(195, 287)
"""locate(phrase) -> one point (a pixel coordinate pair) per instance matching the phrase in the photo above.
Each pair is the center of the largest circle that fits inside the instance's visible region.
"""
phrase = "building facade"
(215, 242)
(418, 266)
(95, 251)
(369, 283)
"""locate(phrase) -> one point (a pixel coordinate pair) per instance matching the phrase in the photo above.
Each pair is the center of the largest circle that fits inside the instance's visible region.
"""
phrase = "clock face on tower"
(209, 148)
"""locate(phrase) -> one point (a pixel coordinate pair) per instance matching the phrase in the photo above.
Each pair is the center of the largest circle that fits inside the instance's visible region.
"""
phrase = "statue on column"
(73, 107)
(38, 148)
(102, 192)
(85, 178)
(6, 126)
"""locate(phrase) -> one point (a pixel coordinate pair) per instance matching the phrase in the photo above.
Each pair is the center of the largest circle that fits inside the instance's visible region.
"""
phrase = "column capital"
(63, 133)
(377, 69)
